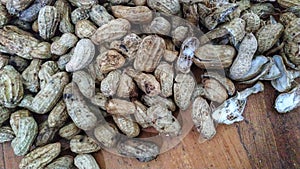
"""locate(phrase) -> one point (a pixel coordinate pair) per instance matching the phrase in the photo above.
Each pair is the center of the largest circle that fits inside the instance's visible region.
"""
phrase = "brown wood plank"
(2, 162)
(11, 161)
(264, 133)
(286, 129)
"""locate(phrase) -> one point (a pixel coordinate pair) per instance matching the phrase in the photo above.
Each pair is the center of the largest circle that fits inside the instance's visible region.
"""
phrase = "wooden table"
(265, 140)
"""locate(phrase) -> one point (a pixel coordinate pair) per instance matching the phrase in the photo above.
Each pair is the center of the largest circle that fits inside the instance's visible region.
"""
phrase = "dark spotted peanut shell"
(99, 15)
(17, 41)
(31, 13)
(242, 62)
(79, 14)
(20, 64)
(15, 6)
(78, 108)
(128, 46)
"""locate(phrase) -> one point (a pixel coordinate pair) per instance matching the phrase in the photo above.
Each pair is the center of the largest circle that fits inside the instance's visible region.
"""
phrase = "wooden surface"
(265, 140)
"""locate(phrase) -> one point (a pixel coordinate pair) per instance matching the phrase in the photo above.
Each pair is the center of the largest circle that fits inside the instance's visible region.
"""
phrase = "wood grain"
(265, 139)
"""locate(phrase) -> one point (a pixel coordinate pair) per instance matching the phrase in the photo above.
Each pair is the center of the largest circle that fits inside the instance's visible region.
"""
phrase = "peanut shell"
(83, 145)
(41, 156)
(48, 20)
(27, 132)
